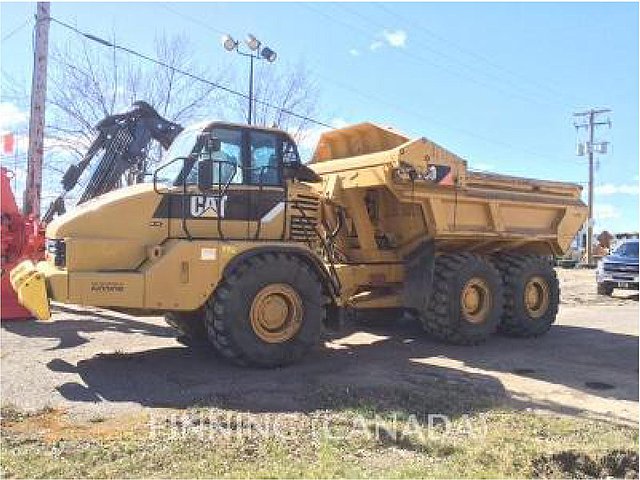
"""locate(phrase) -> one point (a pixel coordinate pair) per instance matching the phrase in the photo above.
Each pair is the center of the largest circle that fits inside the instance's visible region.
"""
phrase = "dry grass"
(365, 439)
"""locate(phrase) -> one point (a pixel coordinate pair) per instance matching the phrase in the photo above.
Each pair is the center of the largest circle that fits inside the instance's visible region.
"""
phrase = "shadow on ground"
(70, 333)
(388, 372)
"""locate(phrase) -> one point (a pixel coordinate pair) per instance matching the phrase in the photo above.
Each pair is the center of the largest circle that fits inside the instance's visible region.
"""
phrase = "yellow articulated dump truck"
(239, 242)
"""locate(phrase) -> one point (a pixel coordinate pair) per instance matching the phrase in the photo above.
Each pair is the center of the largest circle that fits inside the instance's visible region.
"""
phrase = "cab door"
(245, 199)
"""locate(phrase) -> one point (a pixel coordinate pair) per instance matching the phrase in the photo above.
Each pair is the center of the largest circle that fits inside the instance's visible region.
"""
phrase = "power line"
(229, 90)
(191, 19)
(424, 30)
(193, 76)
(416, 58)
(16, 30)
(417, 114)
(412, 112)
(421, 116)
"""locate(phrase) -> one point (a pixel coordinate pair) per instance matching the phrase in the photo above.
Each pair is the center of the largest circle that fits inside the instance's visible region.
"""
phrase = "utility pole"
(590, 147)
(33, 188)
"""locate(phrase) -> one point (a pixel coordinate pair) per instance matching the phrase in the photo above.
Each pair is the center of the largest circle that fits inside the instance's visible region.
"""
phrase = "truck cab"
(241, 176)
(619, 269)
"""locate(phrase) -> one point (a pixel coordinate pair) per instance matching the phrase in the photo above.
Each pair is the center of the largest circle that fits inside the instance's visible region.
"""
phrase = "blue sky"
(496, 83)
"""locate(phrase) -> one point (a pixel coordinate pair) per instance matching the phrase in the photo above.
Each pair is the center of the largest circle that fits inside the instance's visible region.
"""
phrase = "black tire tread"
(513, 267)
(218, 303)
(435, 319)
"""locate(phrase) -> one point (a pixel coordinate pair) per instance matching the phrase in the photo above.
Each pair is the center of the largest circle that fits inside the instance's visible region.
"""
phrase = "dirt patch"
(616, 464)
(578, 287)
(53, 424)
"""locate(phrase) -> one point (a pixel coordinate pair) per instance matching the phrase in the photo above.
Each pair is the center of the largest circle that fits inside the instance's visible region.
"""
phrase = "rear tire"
(466, 302)
(189, 324)
(532, 295)
(267, 312)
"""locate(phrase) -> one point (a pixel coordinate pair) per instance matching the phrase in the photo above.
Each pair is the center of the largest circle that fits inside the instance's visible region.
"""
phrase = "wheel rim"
(276, 313)
(475, 300)
(536, 296)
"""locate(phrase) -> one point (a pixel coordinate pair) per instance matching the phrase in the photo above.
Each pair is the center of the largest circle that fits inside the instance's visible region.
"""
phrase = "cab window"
(227, 166)
(264, 165)
(289, 153)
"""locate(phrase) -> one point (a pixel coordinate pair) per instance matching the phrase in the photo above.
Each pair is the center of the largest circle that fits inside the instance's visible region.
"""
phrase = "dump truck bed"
(439, 197)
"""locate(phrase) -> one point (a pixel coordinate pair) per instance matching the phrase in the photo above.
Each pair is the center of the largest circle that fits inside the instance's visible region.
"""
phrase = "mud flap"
(419, 266)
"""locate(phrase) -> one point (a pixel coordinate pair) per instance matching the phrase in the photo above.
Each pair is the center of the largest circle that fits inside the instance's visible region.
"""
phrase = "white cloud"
(11, 116)
(390, 38)
(396, 38)
(354, 52)
(604, 211)
(611, 189)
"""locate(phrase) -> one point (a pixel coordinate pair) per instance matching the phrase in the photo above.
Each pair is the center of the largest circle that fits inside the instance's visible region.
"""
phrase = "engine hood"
(122, 213)
(621, 259)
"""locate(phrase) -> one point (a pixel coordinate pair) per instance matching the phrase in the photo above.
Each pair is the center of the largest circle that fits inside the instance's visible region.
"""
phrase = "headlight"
(58, 250)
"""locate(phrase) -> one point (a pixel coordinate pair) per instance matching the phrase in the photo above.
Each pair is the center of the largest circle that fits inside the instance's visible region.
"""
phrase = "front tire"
(466, 302)
(605, 289)
(267, 312)
(532, 295)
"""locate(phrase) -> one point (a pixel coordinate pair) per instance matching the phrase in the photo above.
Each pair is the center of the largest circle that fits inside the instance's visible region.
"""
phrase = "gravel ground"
(97, 364)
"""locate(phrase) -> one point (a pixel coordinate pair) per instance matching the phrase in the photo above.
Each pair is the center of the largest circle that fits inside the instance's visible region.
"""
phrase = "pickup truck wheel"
(605, 289)
(532, 295)
(189, 324)
(466, 302)
(267, 312)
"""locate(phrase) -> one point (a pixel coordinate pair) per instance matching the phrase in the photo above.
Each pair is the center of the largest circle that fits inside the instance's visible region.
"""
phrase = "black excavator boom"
(122, 141)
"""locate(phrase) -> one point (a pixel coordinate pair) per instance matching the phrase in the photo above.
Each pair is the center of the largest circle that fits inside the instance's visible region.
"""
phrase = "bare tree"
(86, 85)
(280, 89)
(88, 82)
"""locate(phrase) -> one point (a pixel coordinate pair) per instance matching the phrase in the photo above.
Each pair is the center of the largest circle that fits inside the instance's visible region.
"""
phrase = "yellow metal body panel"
(30, 285)
(184, 276)
(356, 277)
(106, 289)
(389, 214)
(114, 254)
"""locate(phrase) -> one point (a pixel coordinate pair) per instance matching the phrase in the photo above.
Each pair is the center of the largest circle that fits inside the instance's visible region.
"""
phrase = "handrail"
(260, 190)
(222, 188)
(334, 273)
(222, 192)
(155, 174)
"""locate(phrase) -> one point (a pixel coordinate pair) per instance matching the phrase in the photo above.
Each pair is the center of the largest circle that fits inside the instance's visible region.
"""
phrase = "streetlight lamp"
(257, 52)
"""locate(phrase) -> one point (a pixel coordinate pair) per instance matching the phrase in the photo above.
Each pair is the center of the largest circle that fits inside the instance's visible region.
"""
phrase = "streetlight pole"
(261, 53)
(249, 119)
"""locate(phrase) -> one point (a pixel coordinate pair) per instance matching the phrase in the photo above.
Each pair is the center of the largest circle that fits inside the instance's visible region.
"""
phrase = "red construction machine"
(21, 237)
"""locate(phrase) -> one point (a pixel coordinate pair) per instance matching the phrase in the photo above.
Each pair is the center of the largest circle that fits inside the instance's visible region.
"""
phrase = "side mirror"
(205, 175)
(210, 142)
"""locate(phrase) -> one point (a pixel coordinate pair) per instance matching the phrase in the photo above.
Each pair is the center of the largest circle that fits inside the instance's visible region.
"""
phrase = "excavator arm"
(122, 143)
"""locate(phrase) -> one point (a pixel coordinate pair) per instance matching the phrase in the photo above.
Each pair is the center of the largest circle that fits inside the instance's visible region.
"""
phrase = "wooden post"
(33, 188)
